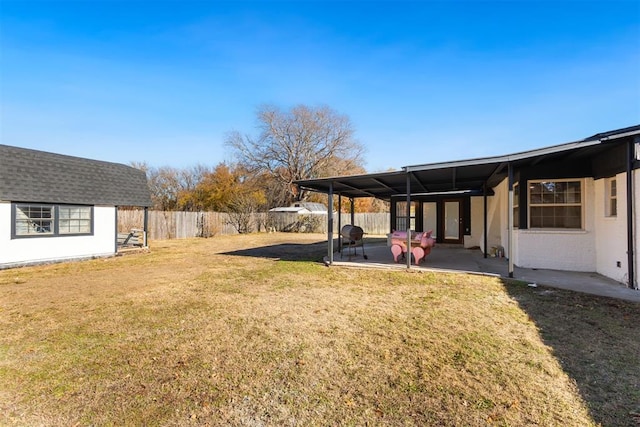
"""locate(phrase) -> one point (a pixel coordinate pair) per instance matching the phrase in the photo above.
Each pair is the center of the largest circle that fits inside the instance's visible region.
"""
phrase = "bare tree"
(301, 143)
(164, 183)
(171, 188)
(242, 210)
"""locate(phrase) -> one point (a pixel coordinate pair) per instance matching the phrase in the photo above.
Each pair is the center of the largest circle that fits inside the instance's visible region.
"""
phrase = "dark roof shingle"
(37, 176)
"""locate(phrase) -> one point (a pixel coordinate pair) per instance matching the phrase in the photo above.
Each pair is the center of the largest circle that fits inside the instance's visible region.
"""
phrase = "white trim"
(553, 231)
(608, 197)
(581, 204)
(506, 158)
(620, 135)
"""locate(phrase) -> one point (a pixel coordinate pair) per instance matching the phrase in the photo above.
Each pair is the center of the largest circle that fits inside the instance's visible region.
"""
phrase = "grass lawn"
(253, 330)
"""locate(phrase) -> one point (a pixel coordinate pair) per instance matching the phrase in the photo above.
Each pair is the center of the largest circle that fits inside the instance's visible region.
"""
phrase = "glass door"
(452, 222)
(430, 218)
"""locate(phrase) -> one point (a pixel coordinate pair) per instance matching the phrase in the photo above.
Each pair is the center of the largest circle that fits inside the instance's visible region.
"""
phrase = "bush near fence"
(164, 225)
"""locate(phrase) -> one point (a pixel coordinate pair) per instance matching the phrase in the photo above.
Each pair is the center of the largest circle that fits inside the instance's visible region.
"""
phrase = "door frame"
(464, 216)
(442, 221)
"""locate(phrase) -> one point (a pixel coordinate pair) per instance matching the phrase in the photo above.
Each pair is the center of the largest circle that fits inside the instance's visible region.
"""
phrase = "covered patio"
(457, 259)
(492, 202)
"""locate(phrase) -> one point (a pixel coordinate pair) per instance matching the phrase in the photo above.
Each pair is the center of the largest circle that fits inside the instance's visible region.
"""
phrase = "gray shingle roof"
(36, 176)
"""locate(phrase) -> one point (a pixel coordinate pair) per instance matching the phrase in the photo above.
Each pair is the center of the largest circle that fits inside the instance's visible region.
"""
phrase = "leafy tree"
(189, 180)
(227, 189)
(301, 143)
(364, 204)
(215, 189)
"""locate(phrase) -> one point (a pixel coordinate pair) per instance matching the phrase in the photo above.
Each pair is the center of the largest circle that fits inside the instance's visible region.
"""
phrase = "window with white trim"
(611, 206)
(555, 204)
(39, 220)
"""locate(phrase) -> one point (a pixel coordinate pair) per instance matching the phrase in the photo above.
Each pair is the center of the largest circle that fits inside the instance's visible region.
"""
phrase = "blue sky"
(164, 81)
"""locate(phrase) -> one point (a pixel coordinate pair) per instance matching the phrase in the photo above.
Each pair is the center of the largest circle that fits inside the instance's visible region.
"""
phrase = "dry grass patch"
(212, 332)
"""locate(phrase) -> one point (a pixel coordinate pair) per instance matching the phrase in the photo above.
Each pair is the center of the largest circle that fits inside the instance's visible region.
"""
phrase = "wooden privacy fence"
(181, 225)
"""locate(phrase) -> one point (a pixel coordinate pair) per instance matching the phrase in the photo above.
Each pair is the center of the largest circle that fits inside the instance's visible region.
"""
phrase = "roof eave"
(505, 158)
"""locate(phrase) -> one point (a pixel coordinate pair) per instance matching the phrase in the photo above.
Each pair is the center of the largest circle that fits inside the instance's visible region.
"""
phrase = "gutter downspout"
(330, 224)
(486, 234)
(408, 220)
(116, 228)
(510, 220)
(340, 222)
(145, 225)
(630, 245)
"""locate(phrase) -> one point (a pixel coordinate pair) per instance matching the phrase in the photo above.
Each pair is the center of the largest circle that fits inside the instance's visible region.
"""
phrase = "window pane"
(560, 195)
(535, 217)
(548, 191)
(535, 188)
(535, 193)
(548, 217)
(555, 204)
(401, 215)
(567, 217)
(401, 208)
(574, 192)
(613, 207)
(34, 220)
(614, 190)
(74, 220)
(556, 217)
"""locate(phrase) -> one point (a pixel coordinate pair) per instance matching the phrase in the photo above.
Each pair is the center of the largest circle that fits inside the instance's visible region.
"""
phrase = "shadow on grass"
(597, 342)
(286, 251)
(298, 251)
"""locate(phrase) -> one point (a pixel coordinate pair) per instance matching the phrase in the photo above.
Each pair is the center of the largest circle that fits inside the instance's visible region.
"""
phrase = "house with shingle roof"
(55, 207)
(572, 206)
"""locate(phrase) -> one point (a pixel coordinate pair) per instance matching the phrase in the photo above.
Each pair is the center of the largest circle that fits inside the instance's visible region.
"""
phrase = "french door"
(430, 218)
(451, 221)
(444, 219)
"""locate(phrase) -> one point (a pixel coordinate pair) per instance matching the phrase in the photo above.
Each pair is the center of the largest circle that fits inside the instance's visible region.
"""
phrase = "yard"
(253, 330)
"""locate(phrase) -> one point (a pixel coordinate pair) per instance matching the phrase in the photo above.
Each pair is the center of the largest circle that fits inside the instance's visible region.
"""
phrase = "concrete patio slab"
(456, 259)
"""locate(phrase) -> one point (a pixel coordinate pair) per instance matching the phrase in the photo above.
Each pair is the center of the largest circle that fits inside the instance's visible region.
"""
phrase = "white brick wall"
(611, 232)
(573, 250)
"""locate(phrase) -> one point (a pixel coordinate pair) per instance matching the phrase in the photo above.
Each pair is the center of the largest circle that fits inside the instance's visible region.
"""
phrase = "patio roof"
(468, 176)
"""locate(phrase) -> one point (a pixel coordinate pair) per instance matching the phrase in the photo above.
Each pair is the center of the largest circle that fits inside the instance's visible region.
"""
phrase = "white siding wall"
(45, 249)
